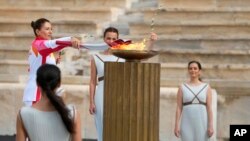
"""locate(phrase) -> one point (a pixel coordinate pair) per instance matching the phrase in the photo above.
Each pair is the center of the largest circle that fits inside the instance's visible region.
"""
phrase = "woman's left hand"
(210, 132)
(153, 36)
(75, 42)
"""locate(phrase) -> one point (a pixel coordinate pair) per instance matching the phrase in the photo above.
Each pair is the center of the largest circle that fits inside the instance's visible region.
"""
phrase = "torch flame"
(131, 46)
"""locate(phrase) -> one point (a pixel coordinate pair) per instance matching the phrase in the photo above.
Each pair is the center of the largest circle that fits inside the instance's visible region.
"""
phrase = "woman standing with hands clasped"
(194, 107)
(96, 79)
(41, 52)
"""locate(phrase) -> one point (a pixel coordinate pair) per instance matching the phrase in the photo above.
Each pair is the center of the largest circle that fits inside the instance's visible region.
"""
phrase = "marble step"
(187, 4)
(17, 67)
(216, 70)
(145, 3)
(21, 67)
(204, 55)
(204, 15)
(223, 86)
(233, 3)
(190, 41)
(166, 55)
(59, 26)
(23, 53)
(209, 71)
(60, 13)
(64, 3)
(23, 78)
(10, 40)
(195, 29)
(106, 3)
(204, 3)
(37, 3)
(14, 54)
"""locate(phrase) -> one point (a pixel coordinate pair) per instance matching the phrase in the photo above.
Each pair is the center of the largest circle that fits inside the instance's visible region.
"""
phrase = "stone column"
(131, 101)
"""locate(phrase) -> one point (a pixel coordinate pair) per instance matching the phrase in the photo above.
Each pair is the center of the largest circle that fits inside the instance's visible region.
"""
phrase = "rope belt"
(200, 102)
(100, 78)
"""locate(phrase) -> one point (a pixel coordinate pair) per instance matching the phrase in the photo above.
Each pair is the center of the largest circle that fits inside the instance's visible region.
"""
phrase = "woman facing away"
(41, 52)
(49, 119)
(194, 117)
(96, 87)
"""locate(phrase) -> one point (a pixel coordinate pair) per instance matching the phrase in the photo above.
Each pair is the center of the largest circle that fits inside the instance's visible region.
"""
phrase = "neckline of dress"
(43, 111)
(195, 85)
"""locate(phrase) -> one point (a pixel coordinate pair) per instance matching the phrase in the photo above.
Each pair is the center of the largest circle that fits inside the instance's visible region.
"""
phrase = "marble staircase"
(66, 3)
(214, 32)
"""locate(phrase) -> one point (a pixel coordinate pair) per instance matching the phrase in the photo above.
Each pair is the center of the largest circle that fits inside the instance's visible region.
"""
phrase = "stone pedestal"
(131, 101)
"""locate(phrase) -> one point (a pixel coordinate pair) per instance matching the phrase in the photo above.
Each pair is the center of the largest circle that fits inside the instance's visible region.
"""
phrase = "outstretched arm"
(45, 47)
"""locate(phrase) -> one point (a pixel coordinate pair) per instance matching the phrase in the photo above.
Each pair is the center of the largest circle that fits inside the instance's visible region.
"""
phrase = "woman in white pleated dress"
(97, 76)
(49, 119)
(194, 120)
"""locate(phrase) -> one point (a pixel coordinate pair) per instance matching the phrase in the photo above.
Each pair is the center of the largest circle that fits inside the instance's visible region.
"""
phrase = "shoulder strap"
(195, 95)
(99, 57)
(102, 59)
(117, 59)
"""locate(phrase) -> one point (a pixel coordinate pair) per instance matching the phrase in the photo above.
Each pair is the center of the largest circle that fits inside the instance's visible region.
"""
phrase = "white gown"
(194, 120)
(99, 62)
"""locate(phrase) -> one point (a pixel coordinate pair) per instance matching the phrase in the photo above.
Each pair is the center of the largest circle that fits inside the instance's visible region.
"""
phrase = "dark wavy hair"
(38, 24)
(198, 64)
(49, 78)
(111, 29)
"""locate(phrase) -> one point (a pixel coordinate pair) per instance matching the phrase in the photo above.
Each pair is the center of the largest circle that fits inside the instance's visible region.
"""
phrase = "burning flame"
(131, 46)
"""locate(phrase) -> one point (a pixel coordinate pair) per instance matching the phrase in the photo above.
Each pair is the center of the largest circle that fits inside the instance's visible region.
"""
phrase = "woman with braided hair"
(49, 119)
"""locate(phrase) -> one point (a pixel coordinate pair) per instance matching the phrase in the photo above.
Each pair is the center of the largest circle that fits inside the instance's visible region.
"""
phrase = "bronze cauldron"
(134, 55)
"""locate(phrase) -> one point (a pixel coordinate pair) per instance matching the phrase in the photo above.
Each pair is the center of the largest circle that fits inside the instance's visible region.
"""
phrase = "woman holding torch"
(41, 52)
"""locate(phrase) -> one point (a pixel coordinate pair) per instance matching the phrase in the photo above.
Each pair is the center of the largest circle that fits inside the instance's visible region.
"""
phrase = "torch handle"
(67, 43)
(89, 46)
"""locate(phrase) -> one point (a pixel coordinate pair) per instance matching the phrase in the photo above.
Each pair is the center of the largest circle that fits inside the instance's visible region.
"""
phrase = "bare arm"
(45, 47)
(210, 112)
(20, 131)
(152, 39)
(77, 135)
(42, 44)
(178, 112)
(92, 86)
